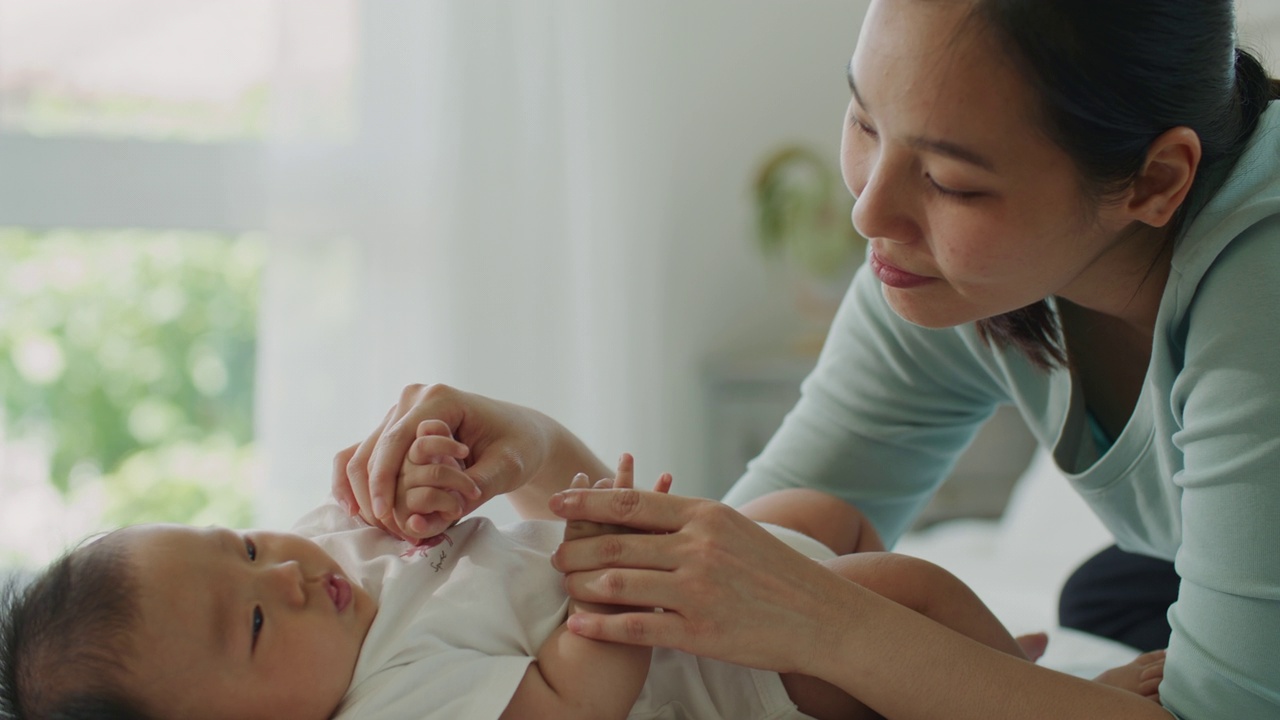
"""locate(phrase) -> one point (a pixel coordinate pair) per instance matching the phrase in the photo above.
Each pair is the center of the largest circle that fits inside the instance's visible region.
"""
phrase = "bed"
(1017, 564)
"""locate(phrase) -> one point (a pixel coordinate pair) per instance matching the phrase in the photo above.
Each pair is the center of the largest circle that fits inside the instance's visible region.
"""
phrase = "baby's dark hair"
(65, 638)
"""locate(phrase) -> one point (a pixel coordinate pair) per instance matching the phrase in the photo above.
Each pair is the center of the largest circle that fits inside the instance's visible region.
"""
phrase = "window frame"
(94, 183)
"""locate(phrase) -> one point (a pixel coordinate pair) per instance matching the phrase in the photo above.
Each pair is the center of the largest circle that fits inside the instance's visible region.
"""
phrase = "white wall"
(728, 83)
(617, 137)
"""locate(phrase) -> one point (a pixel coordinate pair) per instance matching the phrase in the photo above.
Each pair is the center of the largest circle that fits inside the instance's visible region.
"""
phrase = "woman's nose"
(883, 210)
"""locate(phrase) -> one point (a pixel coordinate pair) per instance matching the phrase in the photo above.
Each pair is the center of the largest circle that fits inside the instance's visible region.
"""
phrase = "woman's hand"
(728, 589)
(625, 478)
(503, 447)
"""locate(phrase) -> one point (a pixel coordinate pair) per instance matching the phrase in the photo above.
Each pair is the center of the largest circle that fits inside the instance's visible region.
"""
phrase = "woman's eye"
(957, 194)
(251, 549)
(257, 624)
(864, 128)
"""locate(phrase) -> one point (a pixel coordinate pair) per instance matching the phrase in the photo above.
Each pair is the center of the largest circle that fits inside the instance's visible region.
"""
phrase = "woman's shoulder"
(1246, 206)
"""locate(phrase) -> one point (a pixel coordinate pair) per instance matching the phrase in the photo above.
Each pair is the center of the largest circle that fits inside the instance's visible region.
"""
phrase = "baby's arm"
(573, 676)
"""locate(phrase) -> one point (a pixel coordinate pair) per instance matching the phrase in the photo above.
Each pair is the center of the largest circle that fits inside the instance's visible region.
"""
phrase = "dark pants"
(1121, 596)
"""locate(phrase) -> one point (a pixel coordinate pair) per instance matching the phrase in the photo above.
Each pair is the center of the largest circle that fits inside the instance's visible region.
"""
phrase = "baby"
(341, 619)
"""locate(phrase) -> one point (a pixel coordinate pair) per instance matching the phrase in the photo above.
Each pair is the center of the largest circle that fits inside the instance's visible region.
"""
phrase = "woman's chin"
(936, 313)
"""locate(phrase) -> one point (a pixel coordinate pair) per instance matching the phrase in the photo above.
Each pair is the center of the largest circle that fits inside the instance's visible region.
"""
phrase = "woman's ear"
(1165, 179)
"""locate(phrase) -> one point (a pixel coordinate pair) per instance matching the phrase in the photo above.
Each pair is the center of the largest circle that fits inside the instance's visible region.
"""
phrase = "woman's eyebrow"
(853, 86)
(951, 150)
(933, 145)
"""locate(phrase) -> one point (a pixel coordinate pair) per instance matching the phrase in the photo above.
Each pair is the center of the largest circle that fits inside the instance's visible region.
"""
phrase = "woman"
(1072, 207)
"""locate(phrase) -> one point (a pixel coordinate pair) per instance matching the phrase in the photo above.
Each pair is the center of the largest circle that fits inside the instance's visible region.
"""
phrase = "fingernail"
(379, 507)
(556, 503)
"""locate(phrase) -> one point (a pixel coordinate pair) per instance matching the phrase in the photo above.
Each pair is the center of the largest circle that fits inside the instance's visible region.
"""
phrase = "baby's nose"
(288, 581)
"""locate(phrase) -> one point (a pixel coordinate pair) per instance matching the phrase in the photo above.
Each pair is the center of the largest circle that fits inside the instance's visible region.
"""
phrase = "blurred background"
(232, 230)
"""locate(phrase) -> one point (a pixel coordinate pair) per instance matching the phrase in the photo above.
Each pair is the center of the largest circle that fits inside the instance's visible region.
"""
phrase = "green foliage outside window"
(128, 357)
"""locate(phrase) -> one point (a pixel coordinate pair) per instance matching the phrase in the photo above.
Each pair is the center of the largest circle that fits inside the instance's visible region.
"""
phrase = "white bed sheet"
(1017, 564)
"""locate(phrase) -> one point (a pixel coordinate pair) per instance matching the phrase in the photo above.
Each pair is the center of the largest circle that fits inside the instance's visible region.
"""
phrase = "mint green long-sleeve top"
(1194, 477)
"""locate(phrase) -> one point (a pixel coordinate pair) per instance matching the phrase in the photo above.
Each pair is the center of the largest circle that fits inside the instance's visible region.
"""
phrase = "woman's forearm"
(905, 665)
(567, 457)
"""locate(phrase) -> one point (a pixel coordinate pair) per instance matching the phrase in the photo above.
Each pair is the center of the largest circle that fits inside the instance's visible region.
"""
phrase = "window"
(127, 360)
(131, 245)
(189, 70)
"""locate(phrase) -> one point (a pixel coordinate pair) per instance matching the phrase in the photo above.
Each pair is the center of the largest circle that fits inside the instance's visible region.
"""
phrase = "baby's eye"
(257, 624)
(251, 549)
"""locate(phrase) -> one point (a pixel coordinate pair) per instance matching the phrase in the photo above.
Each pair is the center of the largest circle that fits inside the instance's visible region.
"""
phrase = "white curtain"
(540, 200)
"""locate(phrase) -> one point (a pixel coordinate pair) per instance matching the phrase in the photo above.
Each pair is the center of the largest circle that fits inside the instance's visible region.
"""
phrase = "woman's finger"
(636, 509)
(653, 629)
(652, 552)
(388, 453)
(341, 486)
(358, 474)
(624, 586)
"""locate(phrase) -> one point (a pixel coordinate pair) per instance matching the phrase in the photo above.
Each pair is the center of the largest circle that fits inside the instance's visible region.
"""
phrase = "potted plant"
(803, 219)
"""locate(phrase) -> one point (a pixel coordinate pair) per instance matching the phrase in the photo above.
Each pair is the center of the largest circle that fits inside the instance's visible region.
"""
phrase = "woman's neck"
(1126, 283)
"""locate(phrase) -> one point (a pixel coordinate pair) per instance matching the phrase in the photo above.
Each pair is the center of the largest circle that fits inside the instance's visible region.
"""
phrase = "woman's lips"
(895, 276)
(339, 592)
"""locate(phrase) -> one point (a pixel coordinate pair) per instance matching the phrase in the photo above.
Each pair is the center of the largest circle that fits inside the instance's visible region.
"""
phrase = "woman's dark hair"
(65, 636)
(1110, 78)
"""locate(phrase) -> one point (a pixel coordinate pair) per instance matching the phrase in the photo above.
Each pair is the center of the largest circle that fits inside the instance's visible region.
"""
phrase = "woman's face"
(971, 211)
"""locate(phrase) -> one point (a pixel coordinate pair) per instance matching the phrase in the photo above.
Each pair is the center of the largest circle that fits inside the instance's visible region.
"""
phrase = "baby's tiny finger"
(626, 472)
(435, 448)
(425, 500)
(604, 484)
(428, 526)
(580, 481)
(440, 476)
(663, 485)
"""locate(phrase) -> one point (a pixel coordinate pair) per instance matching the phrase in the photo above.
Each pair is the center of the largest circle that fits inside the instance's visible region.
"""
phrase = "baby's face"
(243, 624)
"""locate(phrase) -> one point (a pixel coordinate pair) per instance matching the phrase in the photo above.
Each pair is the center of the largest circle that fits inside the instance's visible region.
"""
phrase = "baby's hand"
(432, 490)
(577, 529)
